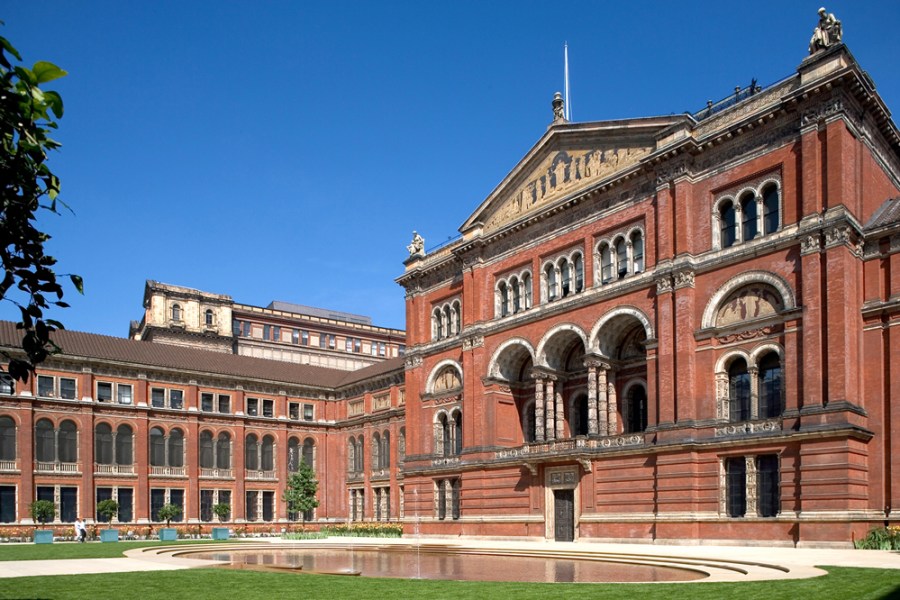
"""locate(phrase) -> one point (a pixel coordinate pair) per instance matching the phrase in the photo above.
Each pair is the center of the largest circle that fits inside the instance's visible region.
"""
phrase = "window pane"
(176, 497)
(749, 213)
(206, 402)
(176, 398)
(7, 439)
(104, 392)
(157, 397)
(739, 391)
(126, 505)
(771, 206)
(124, 445)
(767, 485)
(45, 386)
(728, 225)
(176, 448)
(770, 386)
(736, 483)
(103, 444)
(67, 388)
(124, 394)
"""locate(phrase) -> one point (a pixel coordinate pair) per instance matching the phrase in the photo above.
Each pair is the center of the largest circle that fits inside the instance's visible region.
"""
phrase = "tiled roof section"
(887, 214)
(373, 371)
(101, 347)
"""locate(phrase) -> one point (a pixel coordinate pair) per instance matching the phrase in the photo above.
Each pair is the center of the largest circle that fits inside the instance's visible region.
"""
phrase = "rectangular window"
(268, 506)
(276, 333)
(225, 498)
(304, 337)
(67, 388)
(157, 501)
(736, 486)
(381, 349)
(176, 497)
(126, 505)
(268, 408)
(158, 397)
(348, 344)
(267, 332)
(68, 504)
(253, 407)
(767, 483)
(247, 328)
(206, 402)
(7, 385)
(295, 336)
(454, 499)
(124, 391)
(176, 399)
(294, 411)
(236, 327)
(322, 340)
(45, 386)
(103, 493)
(441, 499)
(332, 342)
(250, 505)
(401, 350)
(206, 504)
(7, 504)
(224, 404)
(307, 412)
(104, 391)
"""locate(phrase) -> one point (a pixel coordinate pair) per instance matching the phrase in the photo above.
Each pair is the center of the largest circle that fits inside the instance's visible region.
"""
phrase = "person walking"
(80, 530)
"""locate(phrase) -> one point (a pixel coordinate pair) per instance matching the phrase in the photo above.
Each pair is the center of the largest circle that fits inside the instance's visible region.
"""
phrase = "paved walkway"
(795, 562)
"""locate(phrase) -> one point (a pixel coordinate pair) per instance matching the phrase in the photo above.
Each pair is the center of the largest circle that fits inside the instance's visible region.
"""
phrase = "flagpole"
(568, 104)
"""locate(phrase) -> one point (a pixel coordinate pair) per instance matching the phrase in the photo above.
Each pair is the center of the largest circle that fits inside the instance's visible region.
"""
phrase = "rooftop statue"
(827, 33)
(417, 246)
(559, 108)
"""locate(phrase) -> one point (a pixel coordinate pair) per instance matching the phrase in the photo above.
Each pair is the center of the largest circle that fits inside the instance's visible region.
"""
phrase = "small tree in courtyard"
(222, 511)
(42, 511)
(300, 495)
(108, 509)
(168, 512)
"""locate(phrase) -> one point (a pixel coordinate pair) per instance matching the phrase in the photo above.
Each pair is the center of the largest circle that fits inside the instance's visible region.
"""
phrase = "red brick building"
(671, 328)
(667, 329)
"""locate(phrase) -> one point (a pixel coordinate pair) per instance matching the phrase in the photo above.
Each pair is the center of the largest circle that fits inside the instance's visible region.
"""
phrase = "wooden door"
(564, 515)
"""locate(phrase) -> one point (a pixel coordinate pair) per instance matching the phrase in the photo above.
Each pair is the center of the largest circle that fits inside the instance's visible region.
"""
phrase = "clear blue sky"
(286, 150)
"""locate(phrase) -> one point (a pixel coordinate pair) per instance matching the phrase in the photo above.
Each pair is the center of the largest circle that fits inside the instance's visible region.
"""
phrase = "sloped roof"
(887, 214)
(137, 353)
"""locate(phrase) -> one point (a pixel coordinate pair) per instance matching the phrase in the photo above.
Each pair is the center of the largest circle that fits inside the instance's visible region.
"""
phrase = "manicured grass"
(63, 550)
(841, 583)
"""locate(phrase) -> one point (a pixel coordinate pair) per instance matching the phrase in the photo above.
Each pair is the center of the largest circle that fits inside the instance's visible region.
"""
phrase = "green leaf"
(78, 282)
(54, 101)
(46, 71)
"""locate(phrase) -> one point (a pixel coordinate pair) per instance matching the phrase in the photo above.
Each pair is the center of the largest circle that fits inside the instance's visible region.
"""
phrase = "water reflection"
(430, 564)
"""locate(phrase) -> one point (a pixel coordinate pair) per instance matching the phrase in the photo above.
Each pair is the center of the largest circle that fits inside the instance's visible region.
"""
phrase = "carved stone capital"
(673, 171)
(664, 285)
(810, 244)
(821, 111)
(412, 362)
(840, 235)
(476, 341)
(684, 279)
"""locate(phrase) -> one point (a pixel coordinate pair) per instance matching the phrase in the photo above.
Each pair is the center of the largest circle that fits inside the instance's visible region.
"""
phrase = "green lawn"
(841, 583)
(62, 550)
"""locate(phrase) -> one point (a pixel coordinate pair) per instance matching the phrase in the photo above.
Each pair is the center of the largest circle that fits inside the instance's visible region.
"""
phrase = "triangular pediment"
(567, 160)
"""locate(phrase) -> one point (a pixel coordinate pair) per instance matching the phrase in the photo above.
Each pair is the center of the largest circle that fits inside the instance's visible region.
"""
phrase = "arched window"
(386, 450)
(771, 208)
(7, 438)
(606, 263)
(526, 286)
(636, 410)
(293, 455)
(124, 445)
(376, 451)
(103, 444)
(351, 455)
(578, 267)
(457, 433)
(176, 312)
(770, 386)
(360, 455)
(67, 440)
(267, 454)
(550, 276)
(176, 448)
(637, 249)
(449, 321)
(516, 294)
(728, 224)
(442, 436)
(251, 453)
(621, 258)
(223, 450)
(565, 272)
(401, 445)
(436, 325)
(749, 215)
(457, 317)
(208, 317)
(207, 457)
(738, 391)
(309, 452)
(504, 299)
(157, 447)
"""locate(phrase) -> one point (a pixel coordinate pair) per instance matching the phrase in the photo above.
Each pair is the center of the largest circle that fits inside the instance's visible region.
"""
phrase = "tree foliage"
(222, 510)
(300, 494)
(108, 509)
(27, 116)
(42, 511)
(167, 512)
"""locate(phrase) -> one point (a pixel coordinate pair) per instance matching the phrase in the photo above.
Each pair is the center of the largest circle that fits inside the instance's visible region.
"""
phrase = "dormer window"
(176, 312)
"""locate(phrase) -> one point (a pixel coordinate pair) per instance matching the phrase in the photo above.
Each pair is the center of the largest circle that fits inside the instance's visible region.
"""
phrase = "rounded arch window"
(309, 448)
(7, 438)
(771, 208)
(68, 442)
(103, 444)
(738, 391)
(176, 448)
(727, 224)
(124, 445)
(157, 447)
(251, 453)
(207, 460)
(209, 317)
(176, 312)
(636, 410)
(770, 386)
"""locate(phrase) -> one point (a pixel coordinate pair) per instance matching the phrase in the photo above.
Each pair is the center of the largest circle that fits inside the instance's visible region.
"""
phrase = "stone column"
(538, 408)
(592, 399)
(754, 392)
(550, 413)
(560, 412)
(602, 401)
(613, 420)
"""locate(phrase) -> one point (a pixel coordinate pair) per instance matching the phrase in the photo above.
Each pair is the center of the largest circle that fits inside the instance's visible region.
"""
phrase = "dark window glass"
(749, 215)
(251, 453)
(45, 386)
(66, 388)
(157, 447)
(68, 504)
(157, 500)
(7, 504)
(770, 377)
(176, 448)
(454, 499)
(637, 410)
(767, 485)
(267, 457)
(728, 225)
(103, 493)
(126, 505)
(176, 399)
(206, 504)
(7, 439)
(771, 207)
(637, 246)
(621, 258)
(104, 392)
(45, 442)
(738, 391)
(250, 505)
(736, 486)
(68, 442)
(224, 403)
(158, 397)
(103, 444)
(176, 497)
(206, 450)
(206, 402)
(309, 452)
(268, 506)
(441, 499)
(223, 451)
(124, 445)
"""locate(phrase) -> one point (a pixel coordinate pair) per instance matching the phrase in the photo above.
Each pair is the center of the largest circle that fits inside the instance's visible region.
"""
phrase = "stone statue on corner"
(417, 247)
(827, 33)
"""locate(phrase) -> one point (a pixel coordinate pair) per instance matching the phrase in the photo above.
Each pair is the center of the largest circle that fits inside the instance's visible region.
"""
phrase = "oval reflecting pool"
(410, 563)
